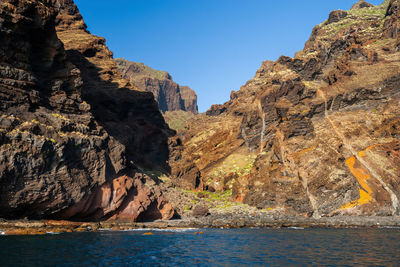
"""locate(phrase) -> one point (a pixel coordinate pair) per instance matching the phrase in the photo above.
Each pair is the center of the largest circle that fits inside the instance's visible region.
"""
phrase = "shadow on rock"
(131, 117)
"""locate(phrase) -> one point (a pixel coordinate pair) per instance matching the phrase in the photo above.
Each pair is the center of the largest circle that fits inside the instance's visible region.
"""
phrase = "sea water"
(213, 247)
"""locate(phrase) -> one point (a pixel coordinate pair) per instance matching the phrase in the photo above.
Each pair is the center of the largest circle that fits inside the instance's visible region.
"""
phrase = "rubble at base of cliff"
(213, 221)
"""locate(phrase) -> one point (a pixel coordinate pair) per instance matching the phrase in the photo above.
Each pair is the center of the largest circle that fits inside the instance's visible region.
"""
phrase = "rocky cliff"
(169, 95)
(74, 135)
(314, 135)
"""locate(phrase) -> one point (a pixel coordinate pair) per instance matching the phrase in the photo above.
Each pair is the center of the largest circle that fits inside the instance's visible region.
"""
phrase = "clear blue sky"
(213, 46)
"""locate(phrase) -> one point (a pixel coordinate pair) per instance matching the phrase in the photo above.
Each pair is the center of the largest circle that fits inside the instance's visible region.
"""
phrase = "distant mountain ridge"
(169, 95)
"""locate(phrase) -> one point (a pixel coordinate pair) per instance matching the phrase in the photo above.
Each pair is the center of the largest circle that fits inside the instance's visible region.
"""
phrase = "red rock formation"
(318, 132)
(123, 199)
(65, 114)
(169, 95)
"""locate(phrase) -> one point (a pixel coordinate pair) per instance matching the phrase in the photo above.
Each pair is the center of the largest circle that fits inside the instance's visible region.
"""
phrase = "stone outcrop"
(336, 16)
(361, 4)
(314, 135)
(70, 125)
(169, 95)
(123, 199)
(189, 99)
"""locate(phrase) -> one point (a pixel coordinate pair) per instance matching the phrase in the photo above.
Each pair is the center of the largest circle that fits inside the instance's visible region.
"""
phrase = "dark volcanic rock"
(126, 113)
(169, 95)
(216, 110)
(336, 16)
(361, 4)
(69, 126)
(391, 26)
(200, 211)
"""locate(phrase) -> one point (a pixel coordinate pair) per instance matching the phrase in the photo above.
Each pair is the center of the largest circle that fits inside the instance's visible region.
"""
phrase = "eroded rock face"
(169, 95)
(314, 135)
(69, 127)
(189, 99)
(123, 199)
(336, 16)
(124, 111)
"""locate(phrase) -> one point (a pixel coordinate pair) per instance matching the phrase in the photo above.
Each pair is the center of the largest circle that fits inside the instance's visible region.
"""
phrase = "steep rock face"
(318, 133)
(169, 95)
(55, 150)
(127, 113)
(189, 98)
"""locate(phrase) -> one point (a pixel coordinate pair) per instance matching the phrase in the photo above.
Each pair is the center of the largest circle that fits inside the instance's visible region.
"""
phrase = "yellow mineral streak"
(362, 153)
(362, 176)
(304, 151)
(364, 163)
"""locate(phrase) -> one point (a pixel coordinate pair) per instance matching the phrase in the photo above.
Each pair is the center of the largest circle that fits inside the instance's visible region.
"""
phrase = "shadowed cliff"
(74, 135)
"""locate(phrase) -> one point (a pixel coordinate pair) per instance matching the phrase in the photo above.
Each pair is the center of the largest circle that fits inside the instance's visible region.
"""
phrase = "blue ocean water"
(216, 247)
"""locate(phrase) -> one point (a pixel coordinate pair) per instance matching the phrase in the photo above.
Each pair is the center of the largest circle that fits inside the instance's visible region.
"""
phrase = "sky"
(213, 46)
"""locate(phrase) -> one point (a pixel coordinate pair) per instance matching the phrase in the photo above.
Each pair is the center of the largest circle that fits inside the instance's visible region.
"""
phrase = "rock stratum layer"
(74, 134)
(314, 135)
(169, 95)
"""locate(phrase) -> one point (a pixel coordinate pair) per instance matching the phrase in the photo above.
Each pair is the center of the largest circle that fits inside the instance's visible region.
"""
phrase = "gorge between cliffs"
(90, 142)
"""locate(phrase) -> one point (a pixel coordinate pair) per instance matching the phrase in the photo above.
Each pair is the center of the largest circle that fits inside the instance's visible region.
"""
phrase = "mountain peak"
(361, 4)
(169, 95)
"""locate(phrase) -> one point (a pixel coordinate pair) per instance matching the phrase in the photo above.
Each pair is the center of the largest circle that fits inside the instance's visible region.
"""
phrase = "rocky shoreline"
(310, 141)
(27, 227)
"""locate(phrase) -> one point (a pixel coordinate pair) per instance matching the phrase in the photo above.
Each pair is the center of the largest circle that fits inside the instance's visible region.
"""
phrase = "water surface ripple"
(237, 247)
